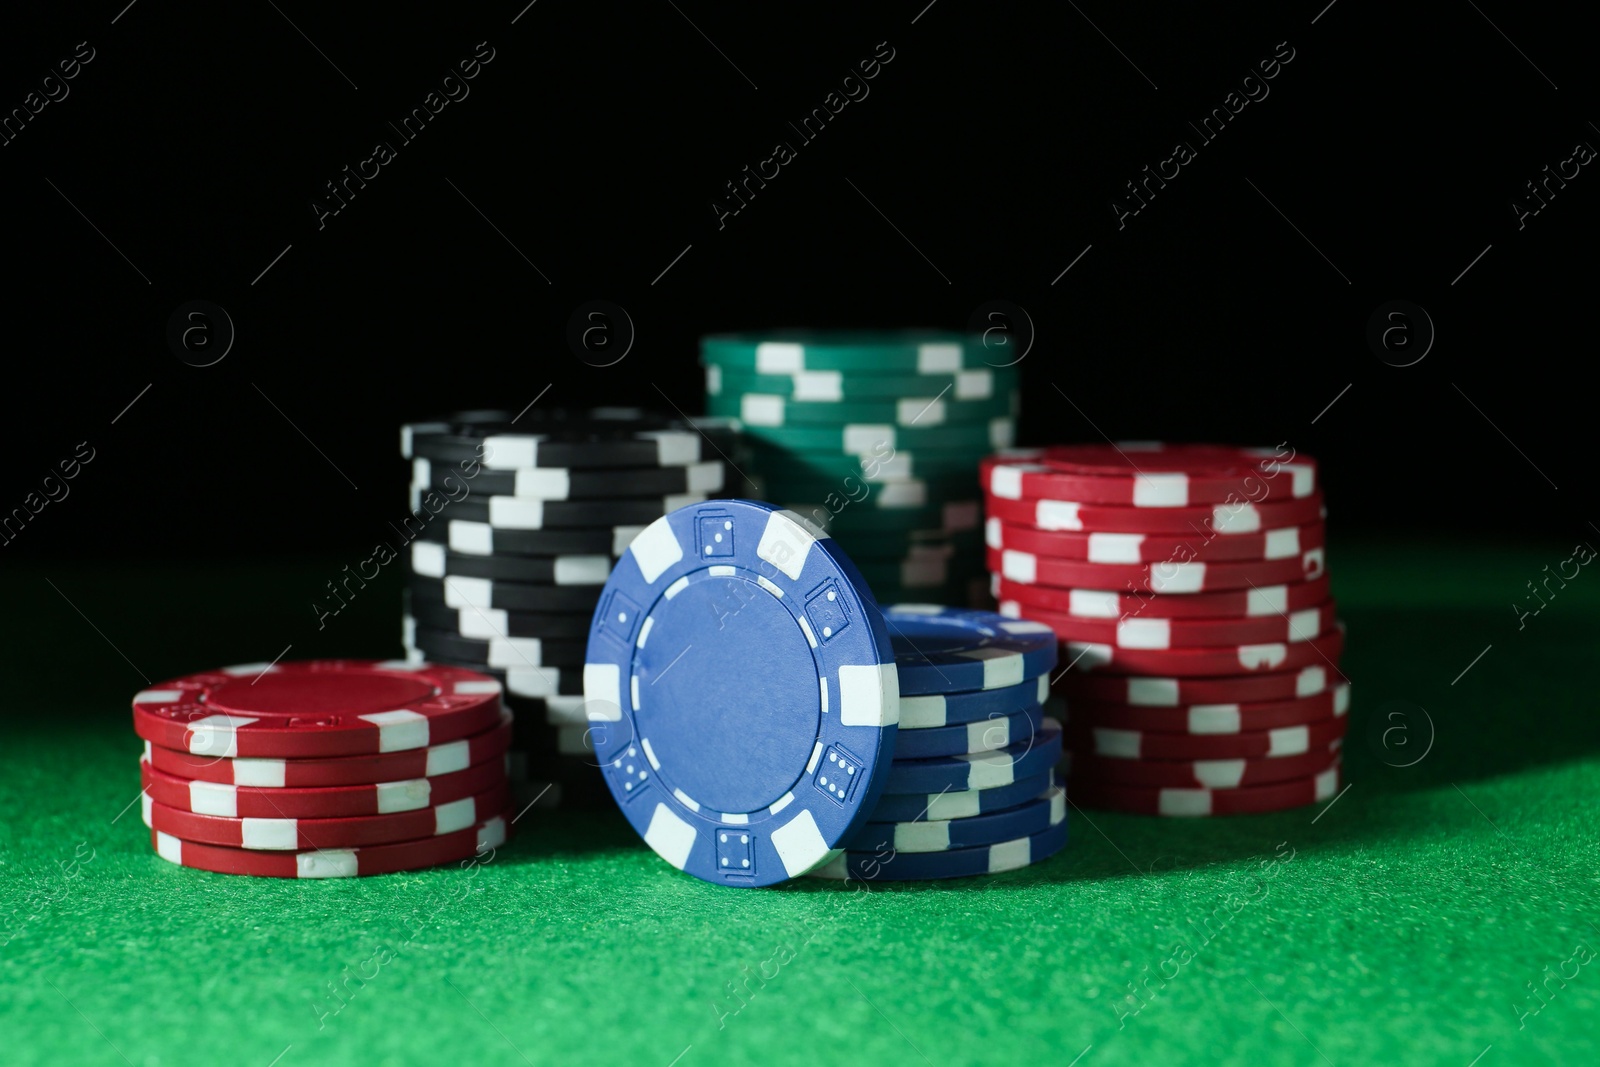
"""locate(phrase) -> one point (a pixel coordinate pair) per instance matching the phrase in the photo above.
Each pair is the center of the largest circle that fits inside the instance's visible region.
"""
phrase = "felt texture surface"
(1426, 916)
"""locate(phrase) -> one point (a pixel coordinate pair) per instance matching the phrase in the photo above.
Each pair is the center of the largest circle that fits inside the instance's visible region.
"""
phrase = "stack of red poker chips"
(324, 768)
(1199, 641)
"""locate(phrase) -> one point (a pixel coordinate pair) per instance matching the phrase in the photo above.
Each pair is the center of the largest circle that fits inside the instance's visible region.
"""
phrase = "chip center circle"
(732, 714)
(310, 694)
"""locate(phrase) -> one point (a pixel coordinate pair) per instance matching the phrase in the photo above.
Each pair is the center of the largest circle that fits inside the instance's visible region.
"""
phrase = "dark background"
(595, 142)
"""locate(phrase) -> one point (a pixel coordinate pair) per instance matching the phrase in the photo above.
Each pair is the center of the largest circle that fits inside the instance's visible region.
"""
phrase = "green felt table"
(1426, 916)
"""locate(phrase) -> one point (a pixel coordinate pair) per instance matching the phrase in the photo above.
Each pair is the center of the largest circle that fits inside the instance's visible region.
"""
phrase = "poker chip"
(862, 352)
(984, 770)
(958, 803)
(1125, 548)
(945, 650)
(1189, 803)
(1150, 691)
(884, 438)
(1224, 520)
(1190, 633)
(1209, 719)
(1187, 587)
(935, 406)
(1149, 474)
(1196, 662)
(874, 465)
(521, 513)
(505, 652)
(316, 708)
(891, 866)
(434, 561)
(1020, 600)
(942, 835)
(478, 841)
(318, 802)
(1167, 577)
(498, 622)
(931, 710)
(481, 539)
(1128, 744)
(829, 387)
(983, 735)
(457, 591)
(553, 438)
(751, 688)
(561, 483)
(278, 834)
(1201, 773)
(431, 762)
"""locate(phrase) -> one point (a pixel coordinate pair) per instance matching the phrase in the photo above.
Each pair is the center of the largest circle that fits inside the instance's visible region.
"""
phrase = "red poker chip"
(1169, 577)
(430, 762)
(1204, 662)
(319, 802)
(1162, 692)
(317, 708)
(1220, 774)
(1220, 519)
(1192, 803)
(1020, 601)
(1190, 633)
(354, 832)
(1126, 548)
(478, 841)
(1116, 744)
(1215, 720)
(1148, 474)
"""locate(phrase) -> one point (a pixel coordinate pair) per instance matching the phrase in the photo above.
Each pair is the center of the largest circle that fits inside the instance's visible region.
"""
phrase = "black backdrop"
(183, 160)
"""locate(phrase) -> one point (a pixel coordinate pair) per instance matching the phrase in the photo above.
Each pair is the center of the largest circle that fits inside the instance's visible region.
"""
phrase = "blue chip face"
(953, 804)
(743, 690)
(1030, 817)
(952, 650)
(887, 865)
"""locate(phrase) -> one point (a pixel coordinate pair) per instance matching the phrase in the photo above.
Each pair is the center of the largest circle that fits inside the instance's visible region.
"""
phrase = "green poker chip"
(890, 466)
(832, 387)
(857, 351)
(884, 439)
(765, 409)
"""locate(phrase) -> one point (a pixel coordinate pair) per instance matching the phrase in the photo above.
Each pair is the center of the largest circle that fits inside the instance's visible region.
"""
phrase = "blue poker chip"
(946, 709)
(981, 770)
(953, 804)
(951, 650)
(741, 692)
(984, 735)
(887, 865)
(941, 835)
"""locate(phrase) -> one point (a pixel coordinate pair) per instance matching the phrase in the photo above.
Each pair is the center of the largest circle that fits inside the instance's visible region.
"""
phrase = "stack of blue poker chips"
(971, 789)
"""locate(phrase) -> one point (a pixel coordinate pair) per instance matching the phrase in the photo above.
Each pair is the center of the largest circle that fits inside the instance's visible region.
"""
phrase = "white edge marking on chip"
(486, 687)
(1313, 562)
(147, 752)
(780, 357)
(602, 690)
(1019, 566)
(676, 587)
(825, 385)
(1283, 543)
(1235, 518)
(1303, 478)
(457, 815)
(989, 770)
(781, 803)
(510, 451)
(805, 628)
(785, 543)
(169, 848)
(472, 538)
(974, 384)
(492, 834)
(331, 863)
(399, 730)
(427, 558)
(1304, 625)
(1005, 481)
(676, 448)
(655, 549)
(1057, 515)
(1267, 600)
(1043, 690)
(633, 691)
(463, 592)
(713, 380)
(672, 836)
(954, 805)
(1058, 805)
(1116, 548)
(1087, 655)
(1341, 699)
(704, 477)
(622, 537)
(443, 759)
(1160, 490)
(1184, 802)
(869, 695)
(1002, 433)
(822, 685)
(1214, 719)
(644, 630)
(921, 713)
(214, 798)
(1118, 744)
(215, 735)
(1186, 577)
(543, 483)
(408, 795)
(1093, 604)
(993, 533)
(1010, 855)
(1263, 656)
(816, 757)
(722, 570)
(1327, 782)
(1219, 773)
(243, 670)
(800, 844)
(581, 570)
(1153, 692)
(1310, 682)
(938, 358)
(861, 438)
(1289, 741)
(650, 753)
(686, 800)
(144, 808)
(922, 836)
(735, 818)
(276, 834)
(1144, 633)
(762, 581)
(516, 513)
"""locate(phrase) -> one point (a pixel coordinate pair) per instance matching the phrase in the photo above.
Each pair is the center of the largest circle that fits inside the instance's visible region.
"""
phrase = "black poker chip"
(520, 513)
(567, 483)
(549, 437)
(497, 622)
(508, 653)
(433, 560)
(481, 539)
(461, 592)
